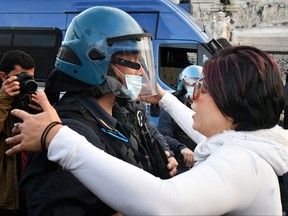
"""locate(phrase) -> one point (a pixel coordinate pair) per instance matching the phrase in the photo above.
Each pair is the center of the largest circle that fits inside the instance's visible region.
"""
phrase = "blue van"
(38, 27)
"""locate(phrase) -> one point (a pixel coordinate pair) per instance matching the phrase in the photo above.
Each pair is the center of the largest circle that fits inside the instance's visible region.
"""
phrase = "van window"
(172, 61)
(41, 43)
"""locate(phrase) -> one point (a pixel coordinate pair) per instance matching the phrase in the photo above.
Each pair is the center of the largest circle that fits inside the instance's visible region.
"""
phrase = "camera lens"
(27, 83)
(29, 87)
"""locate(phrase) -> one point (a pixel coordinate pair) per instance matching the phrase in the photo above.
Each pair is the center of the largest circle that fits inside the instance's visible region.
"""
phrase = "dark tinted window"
(41, 43)
(173, 61)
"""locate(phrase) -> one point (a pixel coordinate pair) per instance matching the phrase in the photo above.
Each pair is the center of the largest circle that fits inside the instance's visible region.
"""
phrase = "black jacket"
(175, 136)
(54, 191)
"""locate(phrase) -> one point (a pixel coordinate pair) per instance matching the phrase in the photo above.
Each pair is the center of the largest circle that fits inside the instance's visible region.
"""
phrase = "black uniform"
(54, 191)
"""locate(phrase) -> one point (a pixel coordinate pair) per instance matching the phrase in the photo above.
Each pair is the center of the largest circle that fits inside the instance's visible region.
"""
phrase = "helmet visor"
(132, 66)
(189, 81)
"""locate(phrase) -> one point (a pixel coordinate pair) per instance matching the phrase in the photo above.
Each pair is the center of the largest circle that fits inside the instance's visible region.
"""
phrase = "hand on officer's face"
(155, 98)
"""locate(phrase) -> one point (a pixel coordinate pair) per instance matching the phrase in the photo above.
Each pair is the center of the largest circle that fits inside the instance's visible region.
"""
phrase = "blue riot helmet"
(92, 40)
(188, 77)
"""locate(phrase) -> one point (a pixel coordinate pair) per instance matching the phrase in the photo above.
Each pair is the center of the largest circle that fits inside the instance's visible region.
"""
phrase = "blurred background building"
(260, 23)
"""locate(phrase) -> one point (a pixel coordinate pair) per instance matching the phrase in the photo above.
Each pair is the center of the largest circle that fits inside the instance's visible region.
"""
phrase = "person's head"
(241, 89)
(188, 78)
(14, 62)
(100, 39)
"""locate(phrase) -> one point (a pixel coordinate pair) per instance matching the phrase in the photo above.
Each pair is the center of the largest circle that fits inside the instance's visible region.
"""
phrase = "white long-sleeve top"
(236, 173)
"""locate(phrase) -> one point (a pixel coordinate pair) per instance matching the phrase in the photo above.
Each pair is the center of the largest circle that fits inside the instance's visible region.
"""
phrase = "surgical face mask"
(189, 90)
(133, 82)
(134, 85)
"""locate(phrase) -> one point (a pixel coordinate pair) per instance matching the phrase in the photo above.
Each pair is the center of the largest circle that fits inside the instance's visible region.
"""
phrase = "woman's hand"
(28, 132)
(156, 98)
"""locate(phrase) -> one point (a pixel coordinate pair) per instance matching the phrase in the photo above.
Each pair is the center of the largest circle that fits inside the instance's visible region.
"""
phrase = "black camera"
(27, 83)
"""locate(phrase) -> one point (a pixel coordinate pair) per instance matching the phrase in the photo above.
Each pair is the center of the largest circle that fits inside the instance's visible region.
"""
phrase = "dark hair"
(246, 85)
(16, 57)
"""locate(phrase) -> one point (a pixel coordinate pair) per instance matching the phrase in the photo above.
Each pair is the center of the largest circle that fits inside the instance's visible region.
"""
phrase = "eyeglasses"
(198, 89)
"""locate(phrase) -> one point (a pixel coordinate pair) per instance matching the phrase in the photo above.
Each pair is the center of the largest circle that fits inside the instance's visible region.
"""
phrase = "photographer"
(17, 88)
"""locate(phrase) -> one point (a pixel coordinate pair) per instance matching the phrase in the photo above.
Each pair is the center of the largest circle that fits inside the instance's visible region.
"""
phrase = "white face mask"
(134, 85)
(189, 90)
(133, 82)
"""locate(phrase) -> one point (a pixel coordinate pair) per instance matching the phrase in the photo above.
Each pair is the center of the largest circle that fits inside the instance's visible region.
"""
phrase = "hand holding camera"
(11, 86)
(22, 83)
(22, 87)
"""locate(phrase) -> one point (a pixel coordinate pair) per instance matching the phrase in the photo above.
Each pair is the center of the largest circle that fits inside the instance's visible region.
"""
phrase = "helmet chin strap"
(99, 91)
(104, 88)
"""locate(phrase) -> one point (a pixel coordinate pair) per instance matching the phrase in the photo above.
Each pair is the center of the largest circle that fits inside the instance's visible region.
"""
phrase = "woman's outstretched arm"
(124, 187)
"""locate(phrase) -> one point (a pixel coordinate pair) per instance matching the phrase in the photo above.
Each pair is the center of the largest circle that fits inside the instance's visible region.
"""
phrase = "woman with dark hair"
(236, 106)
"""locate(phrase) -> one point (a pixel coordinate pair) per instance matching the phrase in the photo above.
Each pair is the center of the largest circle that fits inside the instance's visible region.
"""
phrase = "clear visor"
(189, 81)
(132, 73)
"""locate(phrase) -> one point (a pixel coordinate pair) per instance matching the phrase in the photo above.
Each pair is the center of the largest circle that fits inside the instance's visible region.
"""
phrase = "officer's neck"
(107, 102)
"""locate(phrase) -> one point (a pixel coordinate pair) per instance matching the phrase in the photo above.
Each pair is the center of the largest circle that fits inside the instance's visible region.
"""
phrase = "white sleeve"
(181, 114)
(133, 191)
